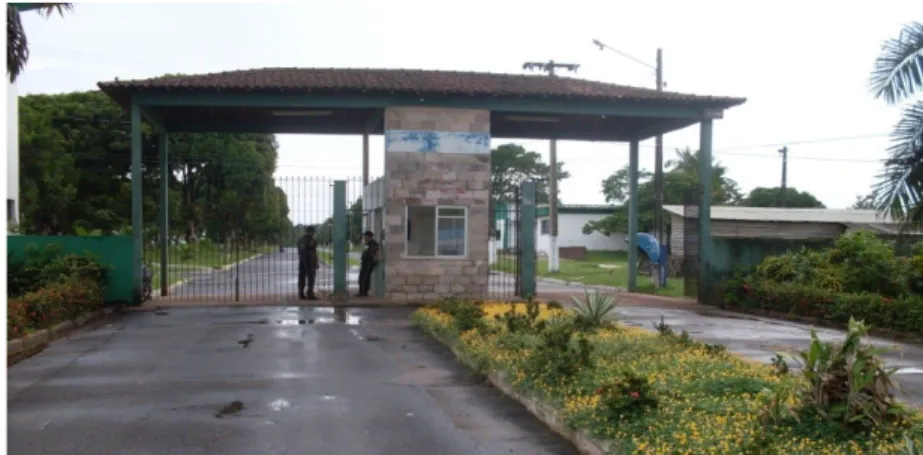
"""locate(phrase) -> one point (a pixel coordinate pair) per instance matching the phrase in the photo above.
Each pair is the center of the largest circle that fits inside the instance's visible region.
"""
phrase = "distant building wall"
(12, 154)
(570, 234)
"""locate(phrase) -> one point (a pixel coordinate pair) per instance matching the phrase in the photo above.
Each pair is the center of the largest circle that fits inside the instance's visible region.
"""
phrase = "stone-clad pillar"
(436, 157)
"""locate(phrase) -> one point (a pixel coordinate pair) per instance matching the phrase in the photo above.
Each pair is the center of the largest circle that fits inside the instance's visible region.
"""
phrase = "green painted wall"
(112, 251)
(732, 255)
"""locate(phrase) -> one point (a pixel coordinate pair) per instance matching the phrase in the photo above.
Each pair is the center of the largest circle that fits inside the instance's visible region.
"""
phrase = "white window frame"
(544, 226)
(436, 208)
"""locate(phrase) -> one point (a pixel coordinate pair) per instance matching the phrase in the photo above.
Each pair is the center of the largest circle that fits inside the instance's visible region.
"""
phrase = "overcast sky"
(802, 65)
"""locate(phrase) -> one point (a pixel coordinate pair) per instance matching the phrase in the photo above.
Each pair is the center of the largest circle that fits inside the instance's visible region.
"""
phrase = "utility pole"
(658, 163)
(658, 149)
(553, 262)
(784, 152)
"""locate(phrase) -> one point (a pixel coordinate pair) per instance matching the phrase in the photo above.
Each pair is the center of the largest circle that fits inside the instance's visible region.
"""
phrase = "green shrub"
(846, 382)
(17, 319)
(903, 314)
(627, 394)
(804, 266)
(467, 314)
(59, 302)
(867, 263)
(527, 322)
(41, 267)
(556, 358)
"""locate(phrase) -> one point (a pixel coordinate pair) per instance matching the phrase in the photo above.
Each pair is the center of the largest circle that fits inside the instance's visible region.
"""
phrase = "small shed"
(788, 224)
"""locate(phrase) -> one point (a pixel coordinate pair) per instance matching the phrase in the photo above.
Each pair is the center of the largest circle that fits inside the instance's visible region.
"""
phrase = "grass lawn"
(601, 268)
(180, 266)
(327, 258)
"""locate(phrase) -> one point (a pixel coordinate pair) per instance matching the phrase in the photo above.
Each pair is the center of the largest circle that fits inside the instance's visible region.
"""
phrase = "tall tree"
(897, 78)
(679, 182)
(17, 46)
(772, 197)
(512, 164)
(75, 175)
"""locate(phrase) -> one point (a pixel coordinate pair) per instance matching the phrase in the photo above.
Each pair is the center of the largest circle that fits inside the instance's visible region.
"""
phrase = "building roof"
(542, 210)
(793, 215)
(391, 81)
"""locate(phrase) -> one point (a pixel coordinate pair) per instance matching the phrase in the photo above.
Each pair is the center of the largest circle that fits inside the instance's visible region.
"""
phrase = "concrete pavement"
(270, 380)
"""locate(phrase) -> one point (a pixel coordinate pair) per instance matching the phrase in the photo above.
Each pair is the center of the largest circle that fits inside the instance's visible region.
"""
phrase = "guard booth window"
(436, 231)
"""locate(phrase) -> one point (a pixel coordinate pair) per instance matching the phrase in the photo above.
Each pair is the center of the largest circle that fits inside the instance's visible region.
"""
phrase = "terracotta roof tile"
(410, 81)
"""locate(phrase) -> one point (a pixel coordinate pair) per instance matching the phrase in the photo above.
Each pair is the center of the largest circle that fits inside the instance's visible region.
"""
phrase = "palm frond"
(899, 191)
(47, 9)
(898, 70)
(17, 51)
(17, 47)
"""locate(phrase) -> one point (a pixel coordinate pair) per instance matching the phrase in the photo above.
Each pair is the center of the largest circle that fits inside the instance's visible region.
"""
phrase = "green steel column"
(527, 241)
(378, 275)
(137, 221)
(339, 238)
(706, 248)
(162, 142)
(633, 216)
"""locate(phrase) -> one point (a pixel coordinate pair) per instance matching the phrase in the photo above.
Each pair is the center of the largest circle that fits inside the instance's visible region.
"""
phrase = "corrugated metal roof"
(792, 215)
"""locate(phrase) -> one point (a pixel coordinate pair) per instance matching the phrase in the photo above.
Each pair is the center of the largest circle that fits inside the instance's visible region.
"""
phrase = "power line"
(731, 150)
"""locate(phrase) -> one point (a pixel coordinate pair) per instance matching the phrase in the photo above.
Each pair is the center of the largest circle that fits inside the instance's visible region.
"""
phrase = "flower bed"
(642, 392)
(47, 288)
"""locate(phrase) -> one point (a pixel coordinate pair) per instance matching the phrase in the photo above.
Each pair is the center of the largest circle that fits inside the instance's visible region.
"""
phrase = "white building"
(12, 154)
(571, 220)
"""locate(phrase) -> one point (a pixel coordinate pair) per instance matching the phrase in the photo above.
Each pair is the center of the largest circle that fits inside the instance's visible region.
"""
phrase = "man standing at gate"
(367, 263)
(307, 263)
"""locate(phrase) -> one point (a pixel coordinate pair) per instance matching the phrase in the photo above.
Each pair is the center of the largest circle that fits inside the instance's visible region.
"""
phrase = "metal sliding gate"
(224, 248)
(505, 279)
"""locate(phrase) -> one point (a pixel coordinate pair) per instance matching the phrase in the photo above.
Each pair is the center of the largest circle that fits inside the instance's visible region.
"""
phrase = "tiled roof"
(386, 81)
(842, 216)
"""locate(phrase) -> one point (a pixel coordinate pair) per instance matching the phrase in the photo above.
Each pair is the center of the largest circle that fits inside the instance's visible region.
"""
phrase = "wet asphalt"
(272, 275)
(260, 380)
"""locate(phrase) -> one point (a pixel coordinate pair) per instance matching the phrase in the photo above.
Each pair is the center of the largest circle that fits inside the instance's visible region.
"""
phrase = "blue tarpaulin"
(650, 246)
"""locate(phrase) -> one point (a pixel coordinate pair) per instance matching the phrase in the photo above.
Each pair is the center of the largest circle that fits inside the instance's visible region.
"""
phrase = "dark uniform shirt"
(307, 250)
(370, 254)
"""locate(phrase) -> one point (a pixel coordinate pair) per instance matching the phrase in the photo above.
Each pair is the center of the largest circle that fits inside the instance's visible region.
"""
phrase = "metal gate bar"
(251, 256)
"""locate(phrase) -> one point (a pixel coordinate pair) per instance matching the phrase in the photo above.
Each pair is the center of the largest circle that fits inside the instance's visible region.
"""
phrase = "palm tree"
(17, 49)
(726, 190)
(898, 77)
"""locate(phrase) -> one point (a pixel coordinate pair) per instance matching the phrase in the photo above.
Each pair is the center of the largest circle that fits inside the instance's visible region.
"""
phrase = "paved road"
(360, 382)
(269, 275)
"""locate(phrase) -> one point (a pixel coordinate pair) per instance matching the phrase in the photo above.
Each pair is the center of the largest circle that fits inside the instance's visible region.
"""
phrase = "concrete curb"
(43, 336)
(547, 414)
(179, 283)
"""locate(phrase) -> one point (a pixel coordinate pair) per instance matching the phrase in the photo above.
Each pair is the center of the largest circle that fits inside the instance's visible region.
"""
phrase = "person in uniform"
(367, 263)
(307, 263)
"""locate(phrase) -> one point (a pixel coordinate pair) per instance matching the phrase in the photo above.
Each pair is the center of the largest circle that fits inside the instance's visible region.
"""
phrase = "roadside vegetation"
(661, 392)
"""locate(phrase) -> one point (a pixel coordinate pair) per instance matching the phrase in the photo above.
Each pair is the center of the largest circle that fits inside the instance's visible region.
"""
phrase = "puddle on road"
(279, 404)
(909, 370)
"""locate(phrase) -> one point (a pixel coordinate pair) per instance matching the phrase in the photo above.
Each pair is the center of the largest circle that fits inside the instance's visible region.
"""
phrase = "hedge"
(903, 314)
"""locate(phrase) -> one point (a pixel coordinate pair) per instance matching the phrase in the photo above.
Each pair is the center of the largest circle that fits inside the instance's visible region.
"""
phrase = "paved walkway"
(244, 381)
